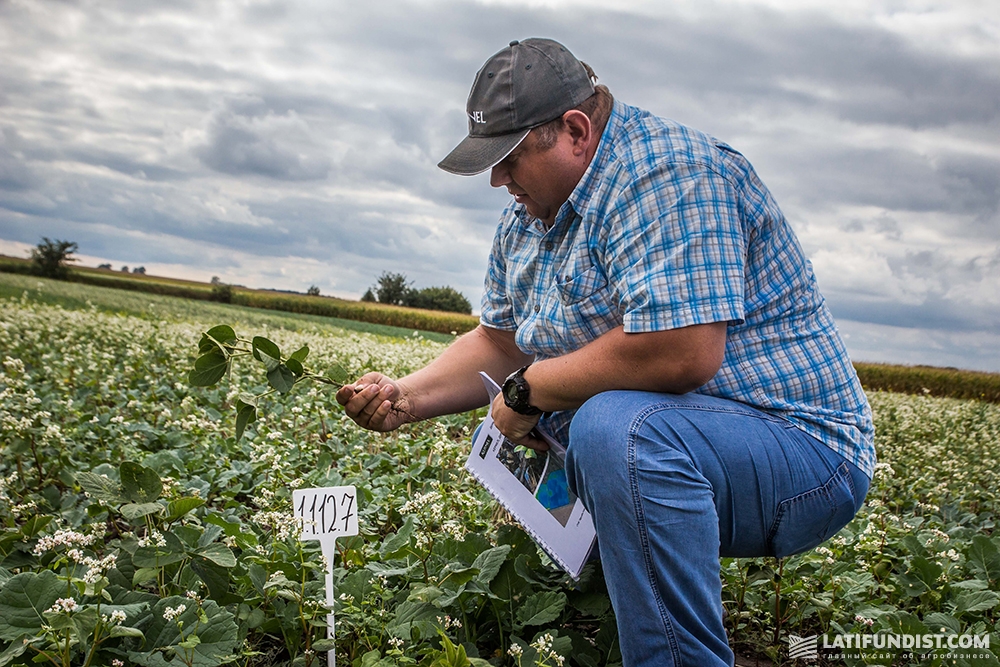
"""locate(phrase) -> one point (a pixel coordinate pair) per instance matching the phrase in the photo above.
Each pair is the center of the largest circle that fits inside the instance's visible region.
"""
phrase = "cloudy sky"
(294, 143)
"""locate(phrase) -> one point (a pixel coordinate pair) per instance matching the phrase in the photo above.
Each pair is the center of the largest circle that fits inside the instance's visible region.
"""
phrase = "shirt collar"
(586, 189)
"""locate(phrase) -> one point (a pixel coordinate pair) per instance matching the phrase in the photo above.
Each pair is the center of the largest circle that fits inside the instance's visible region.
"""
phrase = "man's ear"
(577, 124)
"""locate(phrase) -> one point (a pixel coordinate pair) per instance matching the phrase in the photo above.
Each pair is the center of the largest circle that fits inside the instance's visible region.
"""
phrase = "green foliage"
(438, 298)
(313, 290)
(222, 292)
(124, 496)
(51, 257)
(930, 381)
(392, 288)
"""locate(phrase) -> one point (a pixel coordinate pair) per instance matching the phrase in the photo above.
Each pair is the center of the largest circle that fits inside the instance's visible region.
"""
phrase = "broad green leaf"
(125, 631)
(262, 347)
(157, 556)
(295, 366)
(217, 634)
(338, 374)
(133, 511)
(18, 646)
(985, 557)
(208, 369)
(281, 378)
(541, 608)
(101, 488)
(222, 334)
(246, 414)
(24, 598)
(215, 577)
(395, 543)
(414, 615)
(939, 622)
(489, 563)
(35, 525)
(300, 354)
(975, 601)
(140, 484)
(178, 508)
(219, 554)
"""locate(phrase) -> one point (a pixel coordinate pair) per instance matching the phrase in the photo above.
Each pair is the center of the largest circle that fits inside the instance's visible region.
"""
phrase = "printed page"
(533, 487)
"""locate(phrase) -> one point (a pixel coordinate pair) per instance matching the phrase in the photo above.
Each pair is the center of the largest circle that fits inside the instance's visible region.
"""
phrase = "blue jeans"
(672, 483)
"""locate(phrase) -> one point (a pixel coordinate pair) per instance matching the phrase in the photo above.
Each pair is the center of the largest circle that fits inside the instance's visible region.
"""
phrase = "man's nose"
(499, 176)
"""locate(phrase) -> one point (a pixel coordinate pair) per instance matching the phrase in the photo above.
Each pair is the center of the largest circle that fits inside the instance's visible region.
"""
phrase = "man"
(650, 306)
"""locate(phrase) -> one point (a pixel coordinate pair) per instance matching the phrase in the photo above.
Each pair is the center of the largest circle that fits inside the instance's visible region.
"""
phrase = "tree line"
(395, 289)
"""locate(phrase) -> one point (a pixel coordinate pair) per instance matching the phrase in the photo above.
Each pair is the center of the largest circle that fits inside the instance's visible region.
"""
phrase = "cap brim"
(477, 154)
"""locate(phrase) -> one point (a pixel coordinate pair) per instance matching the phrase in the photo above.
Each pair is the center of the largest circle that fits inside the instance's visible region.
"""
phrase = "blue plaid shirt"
(669, 228)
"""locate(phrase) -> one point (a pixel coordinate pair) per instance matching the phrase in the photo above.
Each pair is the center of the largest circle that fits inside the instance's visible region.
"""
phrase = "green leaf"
(215, 577)
(262, 347)
(222, 334)
(16, 648)
(295, 366)
(24, 598)
(140, 484)
(155, 557)
(133, 511)
(414, 615)
(34, 525)
(395, 543)
(985, 557)
(217, 634)
(281, 378)
(178, 508)
(101, 488)
(246, 414)
(975, 601)
(219, 554)
(125, 631)
(300, 354)
(540, 608)
(208, 369)
(489, 563)
(337, 374)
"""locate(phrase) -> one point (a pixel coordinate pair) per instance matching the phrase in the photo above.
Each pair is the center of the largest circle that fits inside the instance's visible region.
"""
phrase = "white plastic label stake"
(325, 514)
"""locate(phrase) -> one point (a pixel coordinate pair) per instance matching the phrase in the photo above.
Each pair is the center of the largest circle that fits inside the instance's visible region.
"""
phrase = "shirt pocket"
(571, 290)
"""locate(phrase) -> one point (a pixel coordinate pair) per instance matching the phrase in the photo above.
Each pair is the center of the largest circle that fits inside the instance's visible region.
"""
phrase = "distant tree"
(439, 298)
(50, 258)
(104, 266)
(140, 270)
(392, 288)
(313, 290)
(215, 280)
(222, 293)
(125, 269)
(368, 296)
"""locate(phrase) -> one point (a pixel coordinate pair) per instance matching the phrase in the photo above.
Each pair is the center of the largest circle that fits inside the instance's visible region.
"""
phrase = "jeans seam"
(842, 470)
(633, 432)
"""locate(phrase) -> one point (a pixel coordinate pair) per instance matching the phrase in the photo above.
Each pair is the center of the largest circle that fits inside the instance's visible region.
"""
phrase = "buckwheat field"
(136, 530)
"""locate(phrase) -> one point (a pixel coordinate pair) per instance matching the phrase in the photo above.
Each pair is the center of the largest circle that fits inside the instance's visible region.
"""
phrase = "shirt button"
(537, 308)
(548, 246)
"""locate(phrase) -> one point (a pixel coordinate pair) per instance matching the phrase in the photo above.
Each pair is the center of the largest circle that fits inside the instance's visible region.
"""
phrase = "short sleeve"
(678, 250)
(497, 311)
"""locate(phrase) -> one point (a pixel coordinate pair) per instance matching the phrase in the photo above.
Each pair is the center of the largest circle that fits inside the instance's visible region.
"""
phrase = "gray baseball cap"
(523, 86)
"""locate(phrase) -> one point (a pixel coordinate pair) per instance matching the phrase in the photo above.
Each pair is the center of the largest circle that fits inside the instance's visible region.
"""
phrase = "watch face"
(510, 392)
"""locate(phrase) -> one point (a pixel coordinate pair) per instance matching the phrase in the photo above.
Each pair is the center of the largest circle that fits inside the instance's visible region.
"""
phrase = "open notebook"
(534, 489)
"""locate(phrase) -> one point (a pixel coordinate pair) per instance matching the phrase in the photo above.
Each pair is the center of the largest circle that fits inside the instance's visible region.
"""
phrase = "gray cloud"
(247, 138)
(286, 139)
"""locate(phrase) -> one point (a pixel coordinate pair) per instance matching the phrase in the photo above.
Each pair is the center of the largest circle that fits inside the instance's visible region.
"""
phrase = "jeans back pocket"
(808, 519)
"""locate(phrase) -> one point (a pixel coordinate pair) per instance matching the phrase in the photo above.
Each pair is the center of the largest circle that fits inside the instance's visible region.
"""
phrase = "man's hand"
(375, 402)
(518, 428)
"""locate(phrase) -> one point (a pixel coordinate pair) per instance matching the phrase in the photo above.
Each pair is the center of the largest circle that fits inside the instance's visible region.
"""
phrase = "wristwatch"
(516, 394)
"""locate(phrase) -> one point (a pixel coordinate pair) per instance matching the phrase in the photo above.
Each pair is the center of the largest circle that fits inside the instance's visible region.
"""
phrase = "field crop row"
(135, 530)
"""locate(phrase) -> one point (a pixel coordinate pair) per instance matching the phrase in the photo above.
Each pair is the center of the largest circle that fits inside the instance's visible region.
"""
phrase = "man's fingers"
(532, 442)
